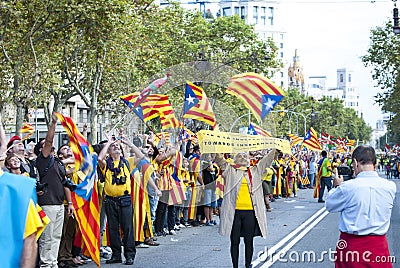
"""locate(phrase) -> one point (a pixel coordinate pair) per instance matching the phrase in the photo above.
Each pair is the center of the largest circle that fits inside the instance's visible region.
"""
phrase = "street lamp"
(237, 120)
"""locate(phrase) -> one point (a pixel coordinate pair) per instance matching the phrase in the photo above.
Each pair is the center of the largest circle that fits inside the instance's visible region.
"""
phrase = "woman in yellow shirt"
(243, 210)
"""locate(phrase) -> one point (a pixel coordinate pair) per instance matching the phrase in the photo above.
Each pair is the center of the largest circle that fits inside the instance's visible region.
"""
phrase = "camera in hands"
(41, 187)
(346, 172)
(69, 184)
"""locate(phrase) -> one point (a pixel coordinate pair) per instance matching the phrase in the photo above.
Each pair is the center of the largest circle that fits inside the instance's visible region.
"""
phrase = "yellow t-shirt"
(243, 201)
(267, 175)
(34, 223)
(115, 190)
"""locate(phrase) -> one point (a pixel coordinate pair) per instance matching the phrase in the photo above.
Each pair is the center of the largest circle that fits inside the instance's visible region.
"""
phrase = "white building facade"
(263, 15)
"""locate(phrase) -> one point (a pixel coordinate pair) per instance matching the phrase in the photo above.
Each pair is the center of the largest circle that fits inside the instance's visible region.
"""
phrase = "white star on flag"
(269, 104)
(190, 99)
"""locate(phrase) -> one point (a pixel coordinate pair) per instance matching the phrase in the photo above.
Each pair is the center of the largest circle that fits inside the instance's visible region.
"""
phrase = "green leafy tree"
(383, 57)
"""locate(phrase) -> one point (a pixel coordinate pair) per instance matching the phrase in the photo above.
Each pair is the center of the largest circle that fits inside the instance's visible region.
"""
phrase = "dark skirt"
(267, 187)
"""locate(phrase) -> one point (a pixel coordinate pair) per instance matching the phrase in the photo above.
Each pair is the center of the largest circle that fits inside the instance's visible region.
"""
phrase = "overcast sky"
(330, 35)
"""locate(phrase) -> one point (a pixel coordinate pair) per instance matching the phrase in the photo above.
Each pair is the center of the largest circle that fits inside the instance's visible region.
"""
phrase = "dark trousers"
(161, 211)
(325, 181)
(118, 216)
(244, 225)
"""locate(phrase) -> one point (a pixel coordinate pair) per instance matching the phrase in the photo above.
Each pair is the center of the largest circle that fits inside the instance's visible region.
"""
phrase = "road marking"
(266, 255)
(283, 251)
(299, 206)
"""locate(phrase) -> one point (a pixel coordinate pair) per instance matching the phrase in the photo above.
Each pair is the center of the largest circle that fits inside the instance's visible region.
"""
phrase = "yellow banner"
(226, 142)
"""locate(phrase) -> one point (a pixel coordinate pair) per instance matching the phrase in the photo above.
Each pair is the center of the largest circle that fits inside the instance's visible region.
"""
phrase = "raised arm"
(48, 142)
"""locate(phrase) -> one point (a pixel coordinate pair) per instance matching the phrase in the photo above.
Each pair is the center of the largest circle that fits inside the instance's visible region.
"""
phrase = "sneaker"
(187, 225)
(209, 223)
(176, 228)
(181, 225)
(142, 245)
(321, 201)
(172, 232)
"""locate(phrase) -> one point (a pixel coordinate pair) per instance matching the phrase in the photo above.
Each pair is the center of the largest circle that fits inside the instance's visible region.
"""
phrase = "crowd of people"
(182, 188)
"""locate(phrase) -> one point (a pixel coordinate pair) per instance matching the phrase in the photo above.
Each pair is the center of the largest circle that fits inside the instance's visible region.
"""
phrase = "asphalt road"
(300, 234)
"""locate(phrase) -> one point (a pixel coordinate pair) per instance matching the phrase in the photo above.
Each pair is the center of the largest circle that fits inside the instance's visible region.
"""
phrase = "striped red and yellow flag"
(164, 137)
(168, 122)
(28, 129)
(176, 193)
(140, 197)
(260, 131)
(258, 93)
(79, 145)
(197, 105)
(295, 139)
(318, 183)
(152, 107)
(311, 140)
(87, 215)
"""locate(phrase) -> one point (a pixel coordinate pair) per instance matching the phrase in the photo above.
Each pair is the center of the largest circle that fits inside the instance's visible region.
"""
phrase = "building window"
(281, 45)
(281, 36)
(243, 13)
(271, 16)
(237, 10)
(281, 74)
(226, 11)
(282, 55)
(255, 14)
(263, 16)
(349, 78)
(341, 78)
(81, 115)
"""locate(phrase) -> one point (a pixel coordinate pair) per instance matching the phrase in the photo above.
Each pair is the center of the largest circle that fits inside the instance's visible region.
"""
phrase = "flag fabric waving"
(197, 106)
(85, 197)
(79, 145)
(255, 129)
(258, 93)
(295, 139)
(152, 87)
(28, 129)
(154, 106)
(311, 140)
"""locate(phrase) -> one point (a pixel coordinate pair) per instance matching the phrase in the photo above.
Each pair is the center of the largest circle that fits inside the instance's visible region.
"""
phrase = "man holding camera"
(117, 201)
(52, 171)
(365, 204)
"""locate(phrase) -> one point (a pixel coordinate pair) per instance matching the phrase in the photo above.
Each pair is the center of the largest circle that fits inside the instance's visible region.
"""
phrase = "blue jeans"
(153, 200)
(325, 181)
(311, 177)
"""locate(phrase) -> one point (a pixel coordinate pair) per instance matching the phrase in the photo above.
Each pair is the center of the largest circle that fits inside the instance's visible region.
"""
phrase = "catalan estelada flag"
(85, 197)
(197, 106)
(140, 176)
(176, 193)
(258, 93)
(168, 122)
(311, 140)
(295, 139)
(79, 145)
(155, 105)
(26, 129)
(255, 129)
(87, 213)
